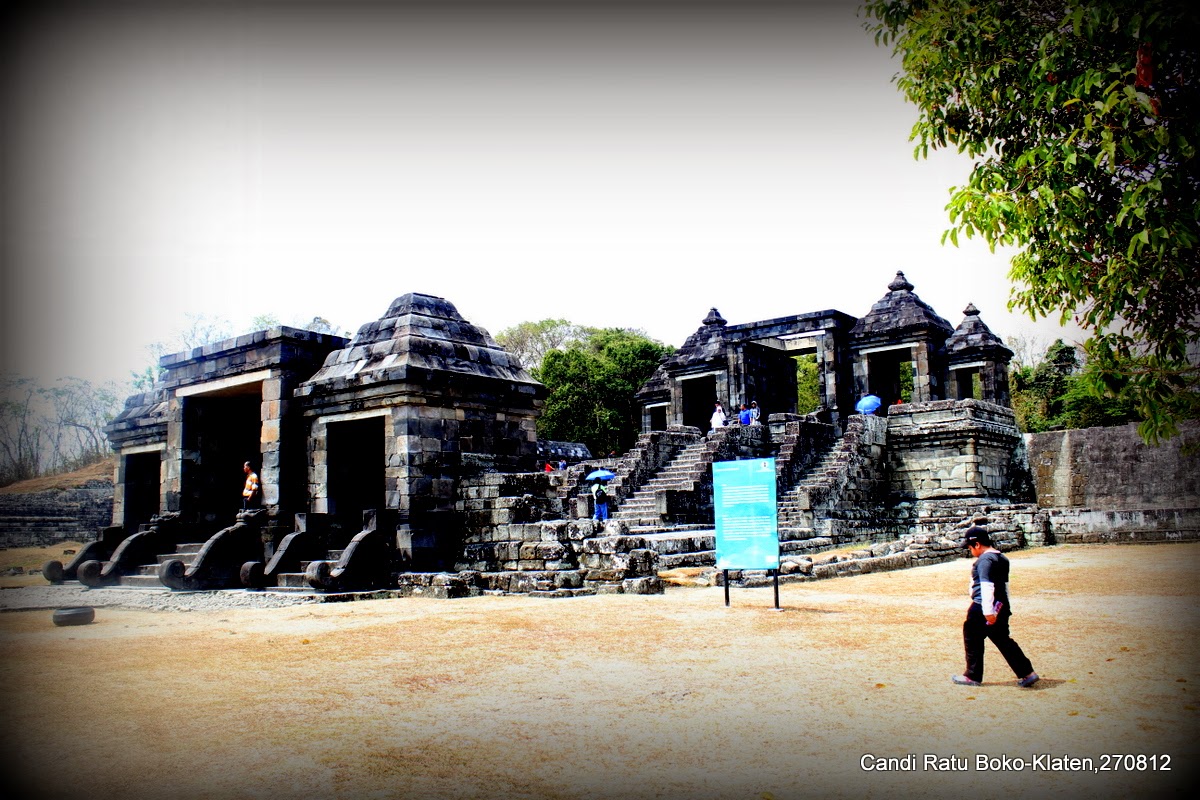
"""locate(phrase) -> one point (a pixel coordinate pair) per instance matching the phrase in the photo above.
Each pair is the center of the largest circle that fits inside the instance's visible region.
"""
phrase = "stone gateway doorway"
(356, 465)
(699, 396)
(221, 432)
(142, 479)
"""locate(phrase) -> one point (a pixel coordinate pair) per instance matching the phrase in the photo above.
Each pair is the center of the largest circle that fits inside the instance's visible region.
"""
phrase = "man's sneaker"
(1028, 680)
(963, 680)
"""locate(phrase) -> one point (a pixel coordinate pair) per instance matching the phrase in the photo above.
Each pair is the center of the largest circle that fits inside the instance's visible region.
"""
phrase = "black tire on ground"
(79, 615)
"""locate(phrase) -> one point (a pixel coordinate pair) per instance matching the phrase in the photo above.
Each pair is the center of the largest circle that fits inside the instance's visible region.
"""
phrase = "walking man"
(988, 616)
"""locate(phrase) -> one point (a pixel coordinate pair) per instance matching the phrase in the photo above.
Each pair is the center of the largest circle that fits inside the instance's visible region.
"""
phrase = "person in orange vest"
(251, 490)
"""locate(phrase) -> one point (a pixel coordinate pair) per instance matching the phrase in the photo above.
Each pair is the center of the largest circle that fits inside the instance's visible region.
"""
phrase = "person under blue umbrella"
(869, 404)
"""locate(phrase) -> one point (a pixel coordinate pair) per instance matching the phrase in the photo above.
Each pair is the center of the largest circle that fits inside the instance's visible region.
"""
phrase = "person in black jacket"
(988, 615)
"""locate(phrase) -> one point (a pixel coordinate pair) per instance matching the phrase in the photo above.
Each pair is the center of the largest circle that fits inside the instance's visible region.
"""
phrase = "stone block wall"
(1106, 484)
(953, 448)
(1113, 469)
(41, 518)
(1085, 525)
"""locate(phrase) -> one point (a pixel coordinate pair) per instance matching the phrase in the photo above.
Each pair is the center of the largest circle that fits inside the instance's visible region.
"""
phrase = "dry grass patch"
(32, 558)
(672, 696)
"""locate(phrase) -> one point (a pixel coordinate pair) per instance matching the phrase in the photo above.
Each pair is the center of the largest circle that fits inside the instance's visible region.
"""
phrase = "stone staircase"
(146, 576)
(683, 473)
(839, 499)
(796, 518)
(22, 530)
(297, 581)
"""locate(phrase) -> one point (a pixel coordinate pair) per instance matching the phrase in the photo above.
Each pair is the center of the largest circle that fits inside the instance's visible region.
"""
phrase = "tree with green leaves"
(592, 382)
(1054, 395)
(530, 341)
(808, 385)
(1082, 120)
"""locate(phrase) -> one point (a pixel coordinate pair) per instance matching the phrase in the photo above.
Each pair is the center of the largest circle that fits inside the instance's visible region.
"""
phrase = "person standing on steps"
(989, 612)
(600, 496)
(251, 490)
(718, 417)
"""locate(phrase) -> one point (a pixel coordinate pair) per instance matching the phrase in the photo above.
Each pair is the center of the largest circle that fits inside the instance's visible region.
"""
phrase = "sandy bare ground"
(671, 696)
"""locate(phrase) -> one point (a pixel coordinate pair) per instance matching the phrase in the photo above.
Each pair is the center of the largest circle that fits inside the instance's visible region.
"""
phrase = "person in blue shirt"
(744, 415)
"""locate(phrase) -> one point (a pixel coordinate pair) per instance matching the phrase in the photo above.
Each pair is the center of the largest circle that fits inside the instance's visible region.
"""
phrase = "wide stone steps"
(641, 508)
(146, 576)
(296, 581)
(794, 507)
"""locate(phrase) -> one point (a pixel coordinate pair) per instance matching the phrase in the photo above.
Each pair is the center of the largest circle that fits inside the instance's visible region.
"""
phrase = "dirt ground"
(672, 696)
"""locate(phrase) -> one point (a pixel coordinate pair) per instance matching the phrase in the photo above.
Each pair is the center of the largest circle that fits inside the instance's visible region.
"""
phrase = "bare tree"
(22, 432)
(1028, 351)
(530, 341)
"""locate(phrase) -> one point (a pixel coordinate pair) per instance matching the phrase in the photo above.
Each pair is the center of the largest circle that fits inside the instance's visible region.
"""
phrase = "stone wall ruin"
(407, 457)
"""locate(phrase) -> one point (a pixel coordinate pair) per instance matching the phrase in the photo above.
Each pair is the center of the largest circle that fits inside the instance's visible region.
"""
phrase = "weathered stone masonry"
(1105, 484)
(405, 458)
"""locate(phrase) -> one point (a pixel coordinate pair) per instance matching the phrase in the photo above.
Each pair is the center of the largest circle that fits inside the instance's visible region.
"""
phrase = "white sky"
(611, 164)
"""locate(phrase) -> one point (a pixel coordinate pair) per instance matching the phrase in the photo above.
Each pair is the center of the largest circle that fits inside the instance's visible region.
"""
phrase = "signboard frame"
(746, 513)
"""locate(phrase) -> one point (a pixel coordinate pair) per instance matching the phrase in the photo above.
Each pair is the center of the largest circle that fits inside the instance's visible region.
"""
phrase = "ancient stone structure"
(976, 361)
(901, 351)
(406, 459)
(751, 362)
(900, 334)
(181, 448)
(417, 400)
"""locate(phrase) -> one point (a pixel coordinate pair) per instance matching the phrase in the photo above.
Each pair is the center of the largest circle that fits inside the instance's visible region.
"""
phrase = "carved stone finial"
(900, 283)
(714, 318)
(971, 310)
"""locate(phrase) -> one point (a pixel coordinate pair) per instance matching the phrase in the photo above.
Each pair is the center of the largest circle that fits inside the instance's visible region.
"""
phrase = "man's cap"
(977, 535)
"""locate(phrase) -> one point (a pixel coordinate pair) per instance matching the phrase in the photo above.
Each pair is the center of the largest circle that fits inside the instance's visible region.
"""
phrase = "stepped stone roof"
(704, 346)
(143, 418)
(973, 338)
(419, 335)
(898, 315)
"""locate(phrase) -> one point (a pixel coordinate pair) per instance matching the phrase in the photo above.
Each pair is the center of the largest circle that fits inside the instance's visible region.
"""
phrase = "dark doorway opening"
(355, 461)
(222, 431)
(770, 379)
(658, 417)
(699, 397)
(142, 475)
(890, 375)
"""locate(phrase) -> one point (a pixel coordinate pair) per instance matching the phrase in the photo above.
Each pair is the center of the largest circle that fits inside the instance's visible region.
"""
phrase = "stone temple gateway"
(406, 458)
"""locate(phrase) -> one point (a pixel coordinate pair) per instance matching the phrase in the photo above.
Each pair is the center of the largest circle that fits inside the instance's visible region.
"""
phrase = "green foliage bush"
(592, 383)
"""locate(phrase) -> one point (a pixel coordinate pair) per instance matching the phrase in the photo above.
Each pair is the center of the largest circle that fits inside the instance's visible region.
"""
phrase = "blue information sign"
(747, 521)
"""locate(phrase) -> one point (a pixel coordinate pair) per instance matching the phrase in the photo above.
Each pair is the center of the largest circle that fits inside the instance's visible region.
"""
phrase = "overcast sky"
(612, 164)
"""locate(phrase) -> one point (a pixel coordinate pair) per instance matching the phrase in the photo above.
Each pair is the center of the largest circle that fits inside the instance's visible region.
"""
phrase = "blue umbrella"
(600, 475)
(868, 404)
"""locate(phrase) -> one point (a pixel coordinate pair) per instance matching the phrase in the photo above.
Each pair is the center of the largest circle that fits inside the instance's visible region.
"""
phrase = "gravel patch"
(30, 598)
